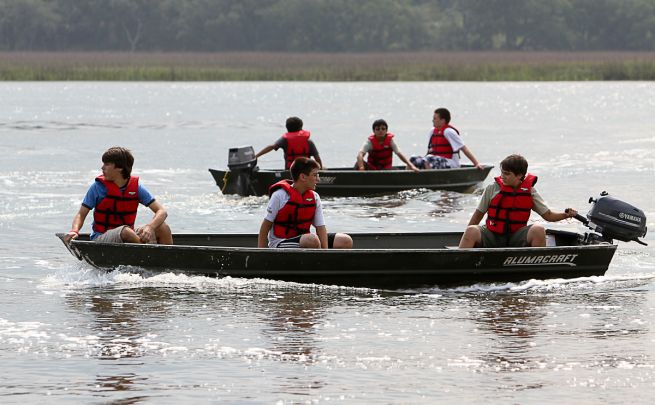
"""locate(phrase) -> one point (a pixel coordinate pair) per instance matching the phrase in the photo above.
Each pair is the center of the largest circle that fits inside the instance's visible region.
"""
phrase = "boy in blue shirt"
(114, 198)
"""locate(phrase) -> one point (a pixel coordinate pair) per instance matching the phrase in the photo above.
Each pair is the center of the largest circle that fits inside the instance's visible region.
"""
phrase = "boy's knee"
(537, 236)
(129, 236)
(473, 230)
(164, 234)
(163, 229)
(471, 237)
(342, 241)
(310, 240)
(537, 230)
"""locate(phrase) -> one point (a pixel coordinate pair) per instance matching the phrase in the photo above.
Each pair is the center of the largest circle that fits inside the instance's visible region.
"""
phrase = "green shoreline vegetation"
(272, 66)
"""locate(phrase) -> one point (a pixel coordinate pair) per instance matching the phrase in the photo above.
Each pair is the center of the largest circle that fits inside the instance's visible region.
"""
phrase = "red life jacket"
(297, 215)
(439, 145)
(117, 208)
(297, 146)
(380, 156)
(509, 210)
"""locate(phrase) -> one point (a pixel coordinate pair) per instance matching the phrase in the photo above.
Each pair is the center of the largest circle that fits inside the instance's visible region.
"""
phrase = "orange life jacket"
(509, 210)
(439, 145)
(297, 215)
(297, 146)
(118, 207)
(380, 156)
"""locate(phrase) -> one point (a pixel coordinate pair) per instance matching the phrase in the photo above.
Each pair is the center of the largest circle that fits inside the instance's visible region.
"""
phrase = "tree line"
(327, 25)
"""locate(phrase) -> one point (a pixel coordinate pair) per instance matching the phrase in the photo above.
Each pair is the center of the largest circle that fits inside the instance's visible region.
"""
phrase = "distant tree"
(326, 25)
(510, 24)
(27, 24)
(613, 25)
(341, 26)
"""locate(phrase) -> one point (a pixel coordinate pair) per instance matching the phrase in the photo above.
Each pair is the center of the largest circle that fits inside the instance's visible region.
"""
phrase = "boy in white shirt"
(444, 145)
(293, 208)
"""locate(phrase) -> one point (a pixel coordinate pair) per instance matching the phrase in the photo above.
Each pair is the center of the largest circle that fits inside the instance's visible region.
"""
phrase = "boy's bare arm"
(471, 157)
(265, 150)
(321, 232)
(476, 217)
(360, 160)
(551, 216)
(78, 222)
(149, 229)
(262, 238)
(409, 164)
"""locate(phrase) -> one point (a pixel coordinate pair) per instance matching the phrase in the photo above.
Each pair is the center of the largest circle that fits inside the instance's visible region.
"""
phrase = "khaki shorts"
(493, 240)
(114, 236)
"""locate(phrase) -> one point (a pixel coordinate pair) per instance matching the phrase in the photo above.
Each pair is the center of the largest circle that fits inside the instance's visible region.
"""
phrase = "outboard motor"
(615, 219)
(242, 162)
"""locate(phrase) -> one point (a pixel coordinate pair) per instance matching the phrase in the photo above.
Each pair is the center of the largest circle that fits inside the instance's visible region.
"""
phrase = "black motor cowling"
(241, 158)
(242, 162)
(615, 219)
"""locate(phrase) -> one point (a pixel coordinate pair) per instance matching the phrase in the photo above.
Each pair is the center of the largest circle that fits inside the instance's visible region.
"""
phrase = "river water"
(73, 334)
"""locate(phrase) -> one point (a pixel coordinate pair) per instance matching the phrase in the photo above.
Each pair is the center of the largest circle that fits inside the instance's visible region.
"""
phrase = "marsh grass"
(264, 66)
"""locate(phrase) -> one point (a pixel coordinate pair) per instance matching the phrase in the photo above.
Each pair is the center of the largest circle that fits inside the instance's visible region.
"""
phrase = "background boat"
(348, 182)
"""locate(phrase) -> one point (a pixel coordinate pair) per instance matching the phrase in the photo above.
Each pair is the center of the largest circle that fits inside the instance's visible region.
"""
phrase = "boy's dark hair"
(121, 158)
(294, 124)
(379, 123)
(302, 165)
(443, 113)
(515, 164)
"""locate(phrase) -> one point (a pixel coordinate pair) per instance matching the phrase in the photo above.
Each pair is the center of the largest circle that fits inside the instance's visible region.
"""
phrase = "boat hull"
(389, 261)
(344, 182)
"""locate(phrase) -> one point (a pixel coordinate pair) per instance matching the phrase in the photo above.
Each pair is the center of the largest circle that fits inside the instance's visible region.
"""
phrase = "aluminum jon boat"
(244, 178)
(383, 260)
(389, 260)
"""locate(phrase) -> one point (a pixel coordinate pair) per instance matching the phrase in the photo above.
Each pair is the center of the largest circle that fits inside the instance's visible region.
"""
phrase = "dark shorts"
(493, 240)
(294, 243)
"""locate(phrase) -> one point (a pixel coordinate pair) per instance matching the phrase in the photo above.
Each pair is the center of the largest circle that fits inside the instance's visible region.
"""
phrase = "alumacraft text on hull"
(384, 260)
(244, 178)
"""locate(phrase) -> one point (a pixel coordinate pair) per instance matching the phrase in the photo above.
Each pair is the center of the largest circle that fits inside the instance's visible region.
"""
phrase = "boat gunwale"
(443, 266)
(443, 250)
(395, 169)
(349, 182)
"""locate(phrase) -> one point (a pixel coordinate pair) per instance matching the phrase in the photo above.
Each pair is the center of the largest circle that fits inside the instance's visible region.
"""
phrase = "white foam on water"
(81, 276)
(637, 140)
(251, 354)
(169, 171)
(22, 330)
(581, 283)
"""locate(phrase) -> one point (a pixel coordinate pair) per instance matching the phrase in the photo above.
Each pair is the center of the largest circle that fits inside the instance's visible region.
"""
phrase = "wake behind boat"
(383, 260)
(244, 178)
